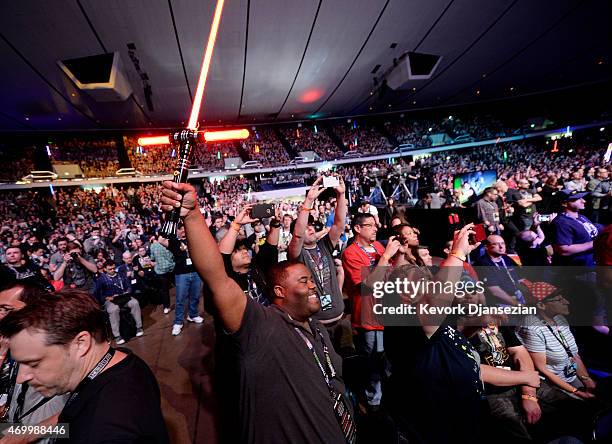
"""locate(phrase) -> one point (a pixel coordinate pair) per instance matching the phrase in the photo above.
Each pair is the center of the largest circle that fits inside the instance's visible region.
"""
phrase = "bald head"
(496, 246)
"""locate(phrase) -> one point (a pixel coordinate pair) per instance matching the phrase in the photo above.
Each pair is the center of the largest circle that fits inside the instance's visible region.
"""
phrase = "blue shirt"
(111, 286)
(569, 231)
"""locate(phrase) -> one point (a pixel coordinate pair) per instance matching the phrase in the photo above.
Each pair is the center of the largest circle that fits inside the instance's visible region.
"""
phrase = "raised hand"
(244, 217)
(179, 195)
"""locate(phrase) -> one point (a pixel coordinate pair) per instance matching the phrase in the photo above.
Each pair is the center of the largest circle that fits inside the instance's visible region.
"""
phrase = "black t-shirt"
(253, 282)
(120, 405)
(183, 264)
(492, 345)
(282, 395)
(435, 391)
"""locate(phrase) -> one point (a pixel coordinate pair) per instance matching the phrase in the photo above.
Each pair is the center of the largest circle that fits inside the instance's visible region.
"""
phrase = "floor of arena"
(183, 366)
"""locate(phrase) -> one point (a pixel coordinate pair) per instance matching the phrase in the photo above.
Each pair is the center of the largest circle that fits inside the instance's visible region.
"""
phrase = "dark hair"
(397, 230)
(72, 245)
(360, 218)
(277, 275)
(61, 317)
(488, 190)
(109, 262)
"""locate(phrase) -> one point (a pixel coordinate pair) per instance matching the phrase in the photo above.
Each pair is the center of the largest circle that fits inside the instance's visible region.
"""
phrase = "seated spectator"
(113, 291)
(500, 275)
(23, 271)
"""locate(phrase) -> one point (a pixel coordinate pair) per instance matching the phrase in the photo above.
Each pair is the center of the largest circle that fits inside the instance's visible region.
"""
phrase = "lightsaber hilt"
(186, 140)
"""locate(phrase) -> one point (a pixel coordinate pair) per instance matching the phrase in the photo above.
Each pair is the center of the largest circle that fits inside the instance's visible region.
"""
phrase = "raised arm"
(297, 241)
(227, 298)
(226, 246)
(337, 228)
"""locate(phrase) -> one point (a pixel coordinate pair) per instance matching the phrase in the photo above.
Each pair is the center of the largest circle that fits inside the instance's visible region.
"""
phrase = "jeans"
(370, 344)
(113, 314)
(188, 286)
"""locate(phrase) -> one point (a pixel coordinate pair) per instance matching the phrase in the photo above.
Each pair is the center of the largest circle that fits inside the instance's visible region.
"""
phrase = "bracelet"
(236, 227)
(584, 378)
(303, 208)
(275, 225)
(529, 397)
(460, 257)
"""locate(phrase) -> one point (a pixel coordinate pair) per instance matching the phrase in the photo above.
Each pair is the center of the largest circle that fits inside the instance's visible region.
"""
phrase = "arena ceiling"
(279, 60)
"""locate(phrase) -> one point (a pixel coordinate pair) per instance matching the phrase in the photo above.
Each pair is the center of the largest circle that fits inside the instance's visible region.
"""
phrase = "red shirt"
(356, 263)
(603, 247)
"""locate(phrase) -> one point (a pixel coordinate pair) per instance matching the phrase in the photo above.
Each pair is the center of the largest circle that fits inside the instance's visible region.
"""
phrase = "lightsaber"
(188, 137)
(203, 136)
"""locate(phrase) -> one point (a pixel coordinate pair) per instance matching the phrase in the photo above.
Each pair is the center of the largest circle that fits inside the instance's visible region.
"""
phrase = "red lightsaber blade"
(206, 136)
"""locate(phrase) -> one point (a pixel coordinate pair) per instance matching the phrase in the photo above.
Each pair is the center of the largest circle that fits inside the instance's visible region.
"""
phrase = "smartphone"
(544, 217)
(330, 181)
(262, 211)
(480, 234)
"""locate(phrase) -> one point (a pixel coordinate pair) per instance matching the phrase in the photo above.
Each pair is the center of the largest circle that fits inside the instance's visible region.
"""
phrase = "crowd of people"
(96, 158)
(264, 147)
(300, 349)
(303, 138)
(364, 139)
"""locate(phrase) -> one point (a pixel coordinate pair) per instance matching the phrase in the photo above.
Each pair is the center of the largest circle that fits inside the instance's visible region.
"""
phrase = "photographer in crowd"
(76, 270)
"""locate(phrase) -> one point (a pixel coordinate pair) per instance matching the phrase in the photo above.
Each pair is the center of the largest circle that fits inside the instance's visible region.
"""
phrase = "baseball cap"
(567, 195)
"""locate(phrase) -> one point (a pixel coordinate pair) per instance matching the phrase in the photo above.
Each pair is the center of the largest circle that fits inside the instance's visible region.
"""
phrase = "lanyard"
(113, 281)
(320, 263)
(101, 365)
(561, 340)
(507, 271)
(332, 371)
(18, 416)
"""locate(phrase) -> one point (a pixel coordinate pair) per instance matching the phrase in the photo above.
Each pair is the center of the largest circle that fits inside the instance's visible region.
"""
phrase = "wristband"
(529, 397)
(584, 378)
(458, 256)
(235, 226)
(276, 224)
(303, 208)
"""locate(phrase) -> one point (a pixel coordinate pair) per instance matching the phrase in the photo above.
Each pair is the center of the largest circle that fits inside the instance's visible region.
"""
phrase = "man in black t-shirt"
(18, 269)
(288, 379)
(61, 345)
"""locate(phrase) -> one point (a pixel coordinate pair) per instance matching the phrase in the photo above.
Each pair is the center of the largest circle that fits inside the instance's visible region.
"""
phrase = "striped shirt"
(537, 338)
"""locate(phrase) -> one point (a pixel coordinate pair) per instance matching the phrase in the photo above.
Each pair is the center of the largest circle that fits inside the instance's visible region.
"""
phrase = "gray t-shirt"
(320, 263)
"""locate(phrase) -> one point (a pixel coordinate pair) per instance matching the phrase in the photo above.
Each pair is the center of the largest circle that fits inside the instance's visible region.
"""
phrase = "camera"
(75, 256)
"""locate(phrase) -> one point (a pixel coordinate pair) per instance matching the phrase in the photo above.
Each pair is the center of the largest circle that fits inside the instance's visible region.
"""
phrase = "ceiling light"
(414, 102)
(413, 88)
(477, 92)
(602, 128)
(512, 88)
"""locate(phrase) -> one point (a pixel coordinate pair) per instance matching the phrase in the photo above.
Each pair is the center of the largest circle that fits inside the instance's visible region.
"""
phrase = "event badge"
(326, 302)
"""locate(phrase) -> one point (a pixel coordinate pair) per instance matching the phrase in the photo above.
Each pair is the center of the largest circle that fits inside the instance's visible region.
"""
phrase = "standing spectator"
(524, 201)
(365, 253)
(573, 233)
(488, 211)
(601, 193)
(318, 257)
(285, 237)
(164, 265)
(577, 183)
(188, 283)
(57, 258)
(76, 270)
(288, 377)
(367, 208)
(113, 291)
(94, 243)
(249, 271)
(530, 246)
